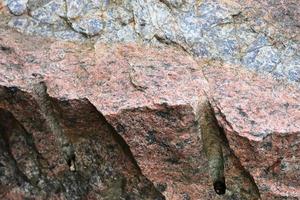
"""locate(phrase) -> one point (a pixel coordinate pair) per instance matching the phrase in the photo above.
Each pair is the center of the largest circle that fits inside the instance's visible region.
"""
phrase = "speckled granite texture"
(261, 119)
(260, 35)
(152, 91)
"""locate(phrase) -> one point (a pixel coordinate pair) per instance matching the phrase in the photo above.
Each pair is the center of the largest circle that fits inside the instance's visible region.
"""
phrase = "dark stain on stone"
(150, 137)
(237, 15)
(12, 90)
(267, 146)
(10, 95)
(220, 187)
(120, 128)
(173, 160)
(164, 143)
(179, 145)
(161, 187)
(286, 105)
(242, 113)
(6, 49)
(163, 114)
(143, 23)
(186, 196)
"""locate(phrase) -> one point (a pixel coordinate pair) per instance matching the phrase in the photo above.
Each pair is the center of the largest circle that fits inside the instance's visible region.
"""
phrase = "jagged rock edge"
(117, 137)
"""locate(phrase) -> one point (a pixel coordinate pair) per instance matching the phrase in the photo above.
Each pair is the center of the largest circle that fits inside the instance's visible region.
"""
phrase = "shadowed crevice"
(212, 147)
(45, 104)
(118, 138)
(105, 166)
(7, 125)
(245, 173)
(217, 146)
(85, 110)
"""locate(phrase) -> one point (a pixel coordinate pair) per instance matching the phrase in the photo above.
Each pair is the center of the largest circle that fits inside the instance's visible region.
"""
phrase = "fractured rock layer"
(33, 164)
(154, 99)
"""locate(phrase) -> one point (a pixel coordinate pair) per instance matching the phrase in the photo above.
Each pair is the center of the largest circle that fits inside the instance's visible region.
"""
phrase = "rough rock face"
(33, 164)
(159, 125)
(57, 147)
(261, 35)
(56, 144)
(261, 119)
(154, 99)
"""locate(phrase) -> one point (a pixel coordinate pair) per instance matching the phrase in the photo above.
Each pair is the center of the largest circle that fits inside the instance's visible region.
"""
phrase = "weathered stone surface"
(17, 7)
(103, 167)
(263, 35)
(159, 122)
(88, 27)
(261, 119)
(33, 163)
(152, 97)
(134, 92)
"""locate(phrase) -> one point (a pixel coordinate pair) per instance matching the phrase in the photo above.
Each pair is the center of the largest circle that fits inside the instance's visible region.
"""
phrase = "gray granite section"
(263, 36)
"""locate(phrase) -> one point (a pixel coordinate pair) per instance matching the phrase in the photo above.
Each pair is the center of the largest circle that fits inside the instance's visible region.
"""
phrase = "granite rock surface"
(123, 119)
(153, 97)
(58, 147)
(261, 120)
(133, 93)
(260, 35)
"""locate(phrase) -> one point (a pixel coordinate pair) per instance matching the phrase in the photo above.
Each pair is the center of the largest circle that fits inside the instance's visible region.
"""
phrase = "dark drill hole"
(71, 162)
(220, 187)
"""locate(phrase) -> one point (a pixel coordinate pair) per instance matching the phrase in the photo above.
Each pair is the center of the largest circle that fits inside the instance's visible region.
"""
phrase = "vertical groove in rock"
(216, 147)
(260, 117)
(6, 131)
(27, 165)
(212, 147)
(44, 102)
